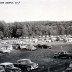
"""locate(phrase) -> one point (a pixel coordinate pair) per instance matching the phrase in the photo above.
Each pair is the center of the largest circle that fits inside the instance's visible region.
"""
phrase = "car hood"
(69, 68)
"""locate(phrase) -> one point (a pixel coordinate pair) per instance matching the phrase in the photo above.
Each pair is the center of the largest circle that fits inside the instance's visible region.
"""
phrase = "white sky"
(30, 10)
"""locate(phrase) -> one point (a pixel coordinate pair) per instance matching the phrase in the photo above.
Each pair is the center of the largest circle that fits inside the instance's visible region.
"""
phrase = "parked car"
(2, 69)
(69, 69)
(16, 46)
(26, 64)
(31, 47)
(44, 46)
(4, 51)
(63, 54)
(9, 67)
(23, 46)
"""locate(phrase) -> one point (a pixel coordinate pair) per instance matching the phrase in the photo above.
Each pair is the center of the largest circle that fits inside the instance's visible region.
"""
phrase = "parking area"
(44, 57)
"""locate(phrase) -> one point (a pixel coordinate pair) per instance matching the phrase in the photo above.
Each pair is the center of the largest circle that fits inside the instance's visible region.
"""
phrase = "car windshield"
(10, 66)
(24, 61)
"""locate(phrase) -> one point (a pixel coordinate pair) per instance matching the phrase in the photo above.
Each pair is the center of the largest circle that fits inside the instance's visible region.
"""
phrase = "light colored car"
(6, 51)
(2, 69)
(23, 46)
(26, 64)
(9, 67)
(27, 47)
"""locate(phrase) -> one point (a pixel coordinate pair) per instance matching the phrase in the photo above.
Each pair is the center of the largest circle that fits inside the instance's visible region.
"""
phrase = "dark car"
(69, 69)
(9, 67)
(44, 46)
(16, 46)
(26, 65)
(63, 54)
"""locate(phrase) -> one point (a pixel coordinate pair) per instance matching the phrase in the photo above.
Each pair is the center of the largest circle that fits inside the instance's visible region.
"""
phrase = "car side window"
(19, 62)
(62, 52)
(9, 66)
(25, 62)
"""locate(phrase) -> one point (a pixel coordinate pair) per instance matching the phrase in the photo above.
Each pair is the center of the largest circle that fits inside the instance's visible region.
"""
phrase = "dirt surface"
(44, 57)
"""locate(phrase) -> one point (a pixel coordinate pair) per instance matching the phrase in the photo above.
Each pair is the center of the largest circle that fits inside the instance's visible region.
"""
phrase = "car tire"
(69, 57)
(28, 69)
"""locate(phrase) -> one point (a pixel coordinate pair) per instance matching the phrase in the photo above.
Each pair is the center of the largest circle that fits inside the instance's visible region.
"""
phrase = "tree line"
(35, 28)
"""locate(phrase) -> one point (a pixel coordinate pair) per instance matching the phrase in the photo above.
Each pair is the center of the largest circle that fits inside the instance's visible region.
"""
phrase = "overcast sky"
(35, 10)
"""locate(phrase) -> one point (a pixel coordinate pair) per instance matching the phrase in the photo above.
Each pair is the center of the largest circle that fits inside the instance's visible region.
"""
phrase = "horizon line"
(37, 21)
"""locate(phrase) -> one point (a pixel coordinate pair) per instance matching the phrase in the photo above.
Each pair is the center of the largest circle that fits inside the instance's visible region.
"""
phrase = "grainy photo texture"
(35, 35)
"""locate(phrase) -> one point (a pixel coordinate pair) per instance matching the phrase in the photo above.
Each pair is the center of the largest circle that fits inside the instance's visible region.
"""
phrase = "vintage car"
(16, 46)
(27, 47)
(4, 52)
(26, 65)
(9, 67)
(2, 69)
(63, 54)
(69, 69)
(44, 46)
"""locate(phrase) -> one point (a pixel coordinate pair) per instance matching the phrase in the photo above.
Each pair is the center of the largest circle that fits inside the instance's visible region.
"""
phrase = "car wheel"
(28, 69)
(69, 57)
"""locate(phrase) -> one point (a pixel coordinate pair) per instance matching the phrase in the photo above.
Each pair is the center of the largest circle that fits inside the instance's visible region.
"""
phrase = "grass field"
(42, 56)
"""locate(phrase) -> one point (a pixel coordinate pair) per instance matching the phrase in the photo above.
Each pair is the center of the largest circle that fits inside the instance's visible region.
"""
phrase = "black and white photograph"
(35, 35)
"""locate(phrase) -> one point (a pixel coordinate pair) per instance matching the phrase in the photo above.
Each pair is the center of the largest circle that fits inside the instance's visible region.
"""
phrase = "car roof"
(6, 63)
(23, 59)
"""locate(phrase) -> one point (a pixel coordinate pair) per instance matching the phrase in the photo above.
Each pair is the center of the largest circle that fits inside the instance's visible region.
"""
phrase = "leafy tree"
(19, 32)
(1, 35)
